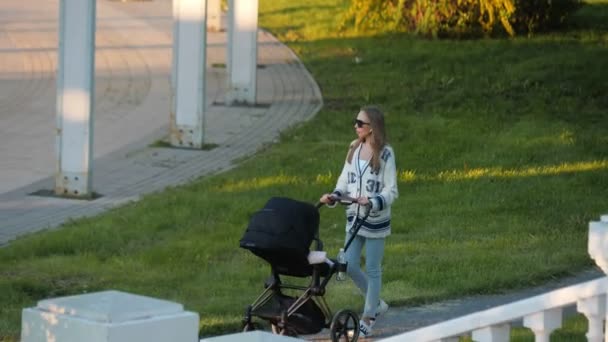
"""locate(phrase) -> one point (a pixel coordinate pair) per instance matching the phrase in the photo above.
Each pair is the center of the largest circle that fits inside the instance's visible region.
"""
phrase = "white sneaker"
(365, 330)
(381, 309)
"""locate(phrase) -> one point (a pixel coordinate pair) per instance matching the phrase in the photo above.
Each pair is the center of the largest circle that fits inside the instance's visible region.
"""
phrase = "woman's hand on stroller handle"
(345, 200)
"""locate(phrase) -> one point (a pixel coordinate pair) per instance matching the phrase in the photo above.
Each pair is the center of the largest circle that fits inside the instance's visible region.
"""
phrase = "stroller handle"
(347, 200)
(344, 200)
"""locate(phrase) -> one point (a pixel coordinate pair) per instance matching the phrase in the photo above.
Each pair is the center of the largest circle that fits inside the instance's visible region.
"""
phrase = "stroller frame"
(315, 292)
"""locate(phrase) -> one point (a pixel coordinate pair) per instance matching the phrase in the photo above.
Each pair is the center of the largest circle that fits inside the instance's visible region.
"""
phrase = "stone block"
(108, 316)
(252, 336)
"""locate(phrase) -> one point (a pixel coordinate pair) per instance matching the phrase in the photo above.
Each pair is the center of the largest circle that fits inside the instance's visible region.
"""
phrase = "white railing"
(542, 313)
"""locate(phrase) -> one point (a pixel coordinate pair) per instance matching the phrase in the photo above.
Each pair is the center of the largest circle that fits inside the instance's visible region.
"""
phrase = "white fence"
(542, 313)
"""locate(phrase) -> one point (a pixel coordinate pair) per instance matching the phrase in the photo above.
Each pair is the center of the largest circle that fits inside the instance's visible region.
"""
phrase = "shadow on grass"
(592, 16)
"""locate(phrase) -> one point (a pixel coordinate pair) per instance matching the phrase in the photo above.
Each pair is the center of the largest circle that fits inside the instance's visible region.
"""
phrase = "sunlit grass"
(498, 172)
(502, 159)
(258, 183)
(410, 176)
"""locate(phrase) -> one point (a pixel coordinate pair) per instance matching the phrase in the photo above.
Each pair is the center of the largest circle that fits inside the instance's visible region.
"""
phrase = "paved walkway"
(133, 70)
(132, 111)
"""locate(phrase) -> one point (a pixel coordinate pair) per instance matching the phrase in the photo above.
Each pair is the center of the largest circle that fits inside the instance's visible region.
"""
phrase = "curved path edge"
(288, 93)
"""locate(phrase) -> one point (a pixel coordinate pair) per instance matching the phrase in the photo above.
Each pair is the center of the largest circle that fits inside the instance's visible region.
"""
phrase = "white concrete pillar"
(75, 98)
(543, 323)
(594, 309)
(597, 247)
(188, 76)
(495, 333)
(242, 52)
(214, 15)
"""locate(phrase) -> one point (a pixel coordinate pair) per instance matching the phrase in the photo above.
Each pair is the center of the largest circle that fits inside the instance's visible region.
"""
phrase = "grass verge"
(501, 150)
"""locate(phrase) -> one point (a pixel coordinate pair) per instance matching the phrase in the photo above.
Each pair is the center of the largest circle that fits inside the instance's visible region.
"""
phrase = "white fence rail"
(542, 313)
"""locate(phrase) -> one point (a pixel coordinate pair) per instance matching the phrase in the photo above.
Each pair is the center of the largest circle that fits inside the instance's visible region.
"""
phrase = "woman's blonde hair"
(377, 138)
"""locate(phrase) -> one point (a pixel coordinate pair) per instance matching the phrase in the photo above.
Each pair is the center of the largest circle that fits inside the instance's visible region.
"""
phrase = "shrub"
(459, 18)
(541, 15)
(373, 14)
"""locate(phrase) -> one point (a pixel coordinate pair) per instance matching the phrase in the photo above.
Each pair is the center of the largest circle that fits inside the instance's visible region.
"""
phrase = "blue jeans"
(370, 283)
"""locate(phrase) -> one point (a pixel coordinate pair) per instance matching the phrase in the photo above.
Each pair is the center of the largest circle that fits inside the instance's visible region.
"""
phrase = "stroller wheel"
(345, 326)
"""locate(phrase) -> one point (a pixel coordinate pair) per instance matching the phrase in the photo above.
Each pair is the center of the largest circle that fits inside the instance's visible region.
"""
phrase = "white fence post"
(495, 333)
(594, 308)
(543, 323)
(597, 247)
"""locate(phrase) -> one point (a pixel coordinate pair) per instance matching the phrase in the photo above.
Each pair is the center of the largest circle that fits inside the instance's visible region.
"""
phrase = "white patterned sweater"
(358, 179)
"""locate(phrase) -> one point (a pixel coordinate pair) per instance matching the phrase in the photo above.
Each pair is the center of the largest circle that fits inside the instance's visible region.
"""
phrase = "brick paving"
(133, 72)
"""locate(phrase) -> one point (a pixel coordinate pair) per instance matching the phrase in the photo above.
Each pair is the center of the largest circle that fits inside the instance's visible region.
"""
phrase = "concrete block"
(108, 316)
(252, 336)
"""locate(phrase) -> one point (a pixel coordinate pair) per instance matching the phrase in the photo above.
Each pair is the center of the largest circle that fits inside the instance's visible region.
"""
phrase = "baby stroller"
(282, 233)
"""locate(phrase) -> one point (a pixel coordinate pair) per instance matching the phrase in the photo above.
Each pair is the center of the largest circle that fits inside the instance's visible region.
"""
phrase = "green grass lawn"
(502, 152)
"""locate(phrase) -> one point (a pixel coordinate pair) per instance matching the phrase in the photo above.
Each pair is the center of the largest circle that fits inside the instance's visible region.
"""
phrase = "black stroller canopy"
(281, 233)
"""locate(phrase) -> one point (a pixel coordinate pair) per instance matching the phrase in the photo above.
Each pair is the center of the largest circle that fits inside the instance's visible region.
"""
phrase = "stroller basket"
(307, 319)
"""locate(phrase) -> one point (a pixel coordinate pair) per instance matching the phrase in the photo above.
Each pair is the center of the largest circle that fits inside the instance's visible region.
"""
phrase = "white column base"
(73, 184)
(186, 136)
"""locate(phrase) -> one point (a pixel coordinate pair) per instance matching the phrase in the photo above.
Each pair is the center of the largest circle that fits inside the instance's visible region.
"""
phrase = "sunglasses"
(360, 123)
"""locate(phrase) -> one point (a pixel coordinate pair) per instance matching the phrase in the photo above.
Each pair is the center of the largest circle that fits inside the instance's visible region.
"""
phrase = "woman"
(369, 176)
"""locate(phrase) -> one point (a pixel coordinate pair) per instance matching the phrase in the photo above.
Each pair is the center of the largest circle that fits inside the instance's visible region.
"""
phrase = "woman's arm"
(341, 188)
(389, 190)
